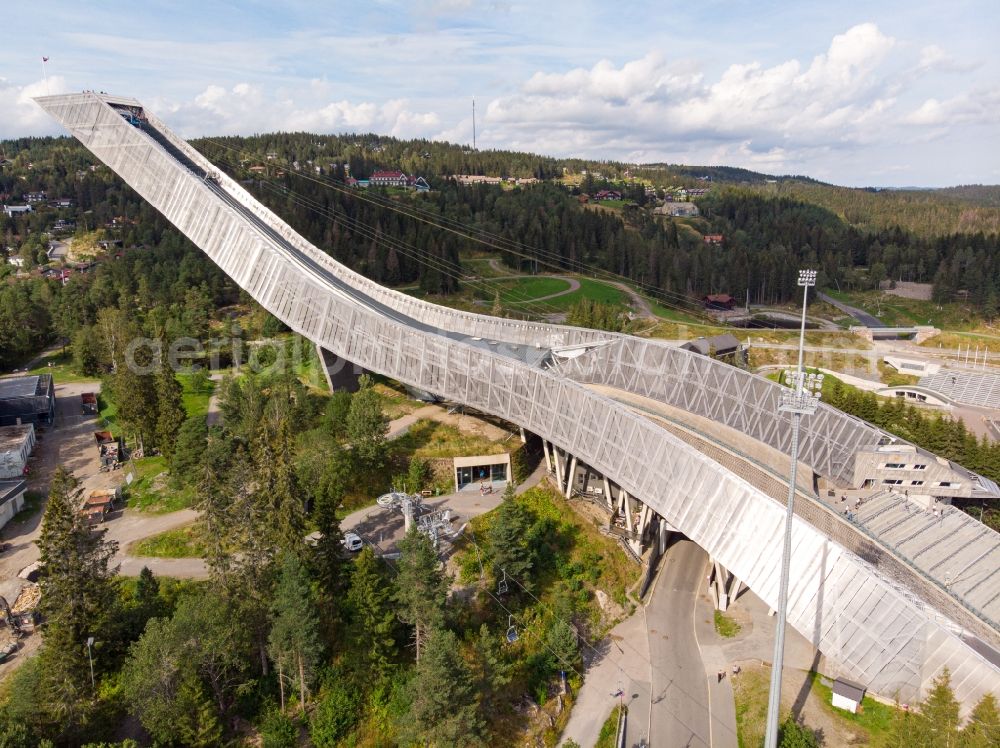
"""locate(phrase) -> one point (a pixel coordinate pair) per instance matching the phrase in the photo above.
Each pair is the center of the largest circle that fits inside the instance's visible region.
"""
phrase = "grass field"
(151, 492)
(195, 401)
(896, 311)
(181, 542)
(725, 626)
(430, 439)
(873, 717)
(60, 366)
(525, 289)
(108, 413)
(750, 694)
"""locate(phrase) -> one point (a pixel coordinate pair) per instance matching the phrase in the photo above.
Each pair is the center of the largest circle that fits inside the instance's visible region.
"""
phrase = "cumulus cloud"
(20, 115)
(247, 108)
(860, 92)
(979, 107)
(838, 96)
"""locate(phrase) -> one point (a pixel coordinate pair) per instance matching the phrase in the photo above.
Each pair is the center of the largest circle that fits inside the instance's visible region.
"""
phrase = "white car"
(352, 541)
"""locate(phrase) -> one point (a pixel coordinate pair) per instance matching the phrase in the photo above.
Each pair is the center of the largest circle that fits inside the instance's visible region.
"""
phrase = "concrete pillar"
(720, 586)
(644, 520)
(548, 462)
(524, 437)
(571, 478)
(340, 373)
(557, 458)
(607, 494)
(627, 500)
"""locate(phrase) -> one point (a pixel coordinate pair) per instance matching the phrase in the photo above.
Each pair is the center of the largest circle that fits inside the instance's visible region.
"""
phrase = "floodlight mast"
(801, 398)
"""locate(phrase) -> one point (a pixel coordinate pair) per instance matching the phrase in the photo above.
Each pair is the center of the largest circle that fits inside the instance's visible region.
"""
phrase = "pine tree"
(77, 589)
(369, 599)
(444, 709)
(421, 587)
(294, 643)
(983, 727)
(508, 536)
(170, 412)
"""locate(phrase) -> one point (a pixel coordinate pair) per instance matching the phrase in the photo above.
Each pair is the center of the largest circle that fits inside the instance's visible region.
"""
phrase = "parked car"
(352, 542)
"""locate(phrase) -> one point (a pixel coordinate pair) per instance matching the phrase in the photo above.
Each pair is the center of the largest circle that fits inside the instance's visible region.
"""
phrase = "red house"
(713, 238)
(718, 302)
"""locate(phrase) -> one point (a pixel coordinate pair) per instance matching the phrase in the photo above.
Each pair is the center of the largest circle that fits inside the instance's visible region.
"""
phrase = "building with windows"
(905, 468)
(482, 470)
(388, 179)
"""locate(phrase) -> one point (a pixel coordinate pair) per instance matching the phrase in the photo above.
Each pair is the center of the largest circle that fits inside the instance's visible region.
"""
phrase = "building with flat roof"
(482, 469)
(11, 499)
(16, 443)
(29, 399)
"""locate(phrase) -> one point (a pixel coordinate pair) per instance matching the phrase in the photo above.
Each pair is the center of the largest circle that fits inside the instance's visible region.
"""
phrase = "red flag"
(45, 59)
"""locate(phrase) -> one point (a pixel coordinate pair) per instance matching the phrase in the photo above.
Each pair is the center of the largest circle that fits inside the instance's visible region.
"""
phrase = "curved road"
(861, 316)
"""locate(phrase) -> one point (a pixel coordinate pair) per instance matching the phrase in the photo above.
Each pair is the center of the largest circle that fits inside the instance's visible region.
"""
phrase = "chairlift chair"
(502, 584)
(512, 635)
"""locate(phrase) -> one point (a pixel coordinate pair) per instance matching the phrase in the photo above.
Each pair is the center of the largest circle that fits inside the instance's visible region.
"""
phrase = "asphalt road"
(863, 317)
(680, 704)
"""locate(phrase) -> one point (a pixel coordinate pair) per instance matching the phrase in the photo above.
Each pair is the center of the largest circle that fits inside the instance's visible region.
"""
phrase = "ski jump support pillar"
(570, 478)
(723, 585)
(340, 373)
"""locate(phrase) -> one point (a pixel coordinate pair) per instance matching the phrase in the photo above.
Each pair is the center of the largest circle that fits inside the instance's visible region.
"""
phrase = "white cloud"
(976, 107)
(248, 108)
(20, 115)
(765, 116)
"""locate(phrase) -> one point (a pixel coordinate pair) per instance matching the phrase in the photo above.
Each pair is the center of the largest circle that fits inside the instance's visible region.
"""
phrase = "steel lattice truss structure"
(878, 628)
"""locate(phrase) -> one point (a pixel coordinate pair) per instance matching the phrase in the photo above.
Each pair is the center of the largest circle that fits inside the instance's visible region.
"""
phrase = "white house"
(16, 443)
(847, 695)
(16, 210)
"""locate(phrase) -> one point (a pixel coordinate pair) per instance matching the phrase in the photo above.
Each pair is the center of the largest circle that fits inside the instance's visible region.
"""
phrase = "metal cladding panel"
(688, 489)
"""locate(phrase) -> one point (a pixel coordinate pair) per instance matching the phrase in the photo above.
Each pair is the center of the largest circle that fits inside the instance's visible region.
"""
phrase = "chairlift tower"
(408, 504)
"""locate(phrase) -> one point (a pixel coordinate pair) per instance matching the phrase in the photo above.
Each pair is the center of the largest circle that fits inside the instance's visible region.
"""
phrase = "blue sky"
(857, 93)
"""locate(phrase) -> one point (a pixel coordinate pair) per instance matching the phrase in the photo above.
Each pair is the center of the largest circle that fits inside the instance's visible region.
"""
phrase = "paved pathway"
(621, 661)
(680, 707)
(860, 315)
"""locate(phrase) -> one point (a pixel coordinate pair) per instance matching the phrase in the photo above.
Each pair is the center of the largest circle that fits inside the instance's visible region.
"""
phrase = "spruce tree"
(76, 580)
(294, 643)
(170, 412)
(444, 707)
(421, 587)
(508, 537)
(983, 727)
(369, 600)
(939, 713)
(189, 450)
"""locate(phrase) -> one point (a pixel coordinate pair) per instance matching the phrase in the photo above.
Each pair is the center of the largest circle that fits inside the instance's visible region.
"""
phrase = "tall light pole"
(801, 398)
